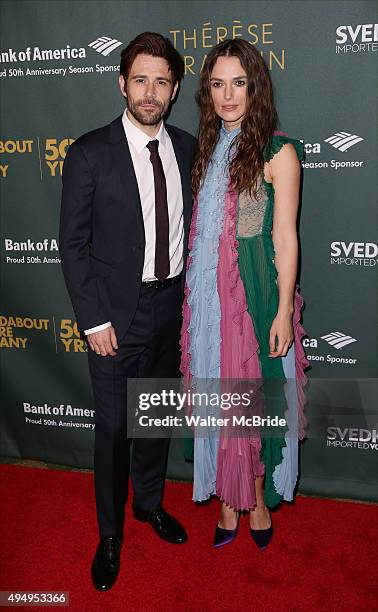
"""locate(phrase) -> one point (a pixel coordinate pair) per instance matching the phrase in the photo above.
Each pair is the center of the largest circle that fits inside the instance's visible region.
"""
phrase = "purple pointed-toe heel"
(224, 536)
(262, 537)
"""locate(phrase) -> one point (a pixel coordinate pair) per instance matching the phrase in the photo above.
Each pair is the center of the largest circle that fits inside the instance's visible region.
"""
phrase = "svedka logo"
(338, 340)
(105, 45)
(354, 254)
(343, 140)
(352, 437)
(361, 38)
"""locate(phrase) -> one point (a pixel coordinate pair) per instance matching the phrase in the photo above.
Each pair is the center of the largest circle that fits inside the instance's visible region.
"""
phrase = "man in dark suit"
(125, 216)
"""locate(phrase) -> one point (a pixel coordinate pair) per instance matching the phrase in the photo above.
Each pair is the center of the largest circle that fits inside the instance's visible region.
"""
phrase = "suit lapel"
(124, 164)
(184, 167)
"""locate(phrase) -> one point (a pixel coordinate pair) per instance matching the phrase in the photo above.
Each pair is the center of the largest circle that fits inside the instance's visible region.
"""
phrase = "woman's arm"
(284, 171)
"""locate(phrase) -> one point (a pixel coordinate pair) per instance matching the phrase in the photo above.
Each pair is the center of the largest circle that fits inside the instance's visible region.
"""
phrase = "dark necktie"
(161, 214)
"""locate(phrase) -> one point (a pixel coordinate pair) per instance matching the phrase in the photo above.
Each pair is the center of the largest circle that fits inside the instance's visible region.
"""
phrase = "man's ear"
(174, 92)
(122, 85)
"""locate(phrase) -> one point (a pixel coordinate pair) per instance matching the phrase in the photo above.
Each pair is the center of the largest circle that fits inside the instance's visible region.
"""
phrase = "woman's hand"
(281, 334)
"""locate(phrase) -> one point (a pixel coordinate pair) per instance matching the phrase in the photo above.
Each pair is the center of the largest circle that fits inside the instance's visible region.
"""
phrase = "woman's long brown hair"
(257, 127)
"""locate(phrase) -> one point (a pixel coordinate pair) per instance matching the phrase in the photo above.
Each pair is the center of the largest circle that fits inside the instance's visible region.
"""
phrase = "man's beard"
(146, 117)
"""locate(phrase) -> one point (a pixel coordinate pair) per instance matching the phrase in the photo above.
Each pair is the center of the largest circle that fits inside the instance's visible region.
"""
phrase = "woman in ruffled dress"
(242, 306)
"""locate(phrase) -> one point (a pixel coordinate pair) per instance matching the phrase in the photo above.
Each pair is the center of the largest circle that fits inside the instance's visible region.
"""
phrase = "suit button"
(133, 249)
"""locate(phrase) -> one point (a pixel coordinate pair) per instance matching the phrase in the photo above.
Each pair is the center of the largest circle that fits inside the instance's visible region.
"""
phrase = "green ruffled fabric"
(258, 273)
(276, 144)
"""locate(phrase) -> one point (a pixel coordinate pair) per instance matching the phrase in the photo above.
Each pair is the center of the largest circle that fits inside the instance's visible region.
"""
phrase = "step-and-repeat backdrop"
(59, 65)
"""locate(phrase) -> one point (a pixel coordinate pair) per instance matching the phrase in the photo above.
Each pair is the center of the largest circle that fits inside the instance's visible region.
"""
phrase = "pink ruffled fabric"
(186, 311)
(301, 362)
(238, 457)
(237, 331)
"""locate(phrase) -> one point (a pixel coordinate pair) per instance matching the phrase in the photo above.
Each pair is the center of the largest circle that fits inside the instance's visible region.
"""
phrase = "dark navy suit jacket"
(101, 235)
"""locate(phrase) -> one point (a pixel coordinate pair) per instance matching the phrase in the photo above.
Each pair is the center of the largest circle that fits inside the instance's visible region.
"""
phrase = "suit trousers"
(150, 349)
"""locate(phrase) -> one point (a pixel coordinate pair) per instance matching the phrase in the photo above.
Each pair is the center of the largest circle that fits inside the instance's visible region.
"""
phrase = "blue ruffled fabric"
(203, 300)
(204, 328)
(286, 473)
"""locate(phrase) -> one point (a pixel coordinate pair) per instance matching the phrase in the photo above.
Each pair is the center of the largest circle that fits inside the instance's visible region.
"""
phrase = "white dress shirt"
(140, 155)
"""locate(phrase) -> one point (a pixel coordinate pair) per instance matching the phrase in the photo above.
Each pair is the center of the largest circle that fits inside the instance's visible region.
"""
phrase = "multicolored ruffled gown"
(231, 299)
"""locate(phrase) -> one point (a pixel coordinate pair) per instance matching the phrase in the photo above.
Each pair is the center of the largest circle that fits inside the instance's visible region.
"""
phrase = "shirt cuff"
(92, 330)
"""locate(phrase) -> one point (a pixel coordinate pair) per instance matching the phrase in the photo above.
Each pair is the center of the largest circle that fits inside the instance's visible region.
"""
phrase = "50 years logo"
(55, 153)
(15, 333)
(70, 337)
(51, 153)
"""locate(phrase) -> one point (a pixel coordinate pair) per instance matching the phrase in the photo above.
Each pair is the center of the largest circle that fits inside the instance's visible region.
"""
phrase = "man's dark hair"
(152, 43)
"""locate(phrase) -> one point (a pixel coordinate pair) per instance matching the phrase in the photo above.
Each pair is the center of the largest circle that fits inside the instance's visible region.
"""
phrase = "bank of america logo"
(105, 45)
(338, 340)
(343, 140)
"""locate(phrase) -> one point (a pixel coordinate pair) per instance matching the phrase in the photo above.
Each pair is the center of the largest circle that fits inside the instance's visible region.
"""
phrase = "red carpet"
(323, 555)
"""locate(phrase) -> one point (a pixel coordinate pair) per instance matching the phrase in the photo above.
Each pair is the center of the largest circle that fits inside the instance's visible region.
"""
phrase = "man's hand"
(103, 342)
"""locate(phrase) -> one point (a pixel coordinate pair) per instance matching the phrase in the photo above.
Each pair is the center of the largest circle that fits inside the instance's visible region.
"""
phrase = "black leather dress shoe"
(166, 527)
(105, 565)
